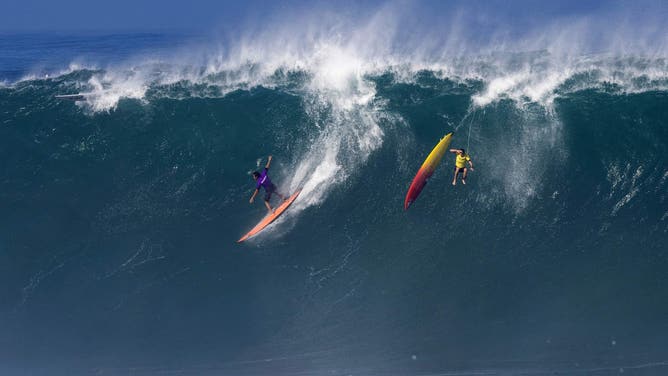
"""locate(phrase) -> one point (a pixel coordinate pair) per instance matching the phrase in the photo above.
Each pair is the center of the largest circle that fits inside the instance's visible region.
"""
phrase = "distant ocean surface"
(119, 213)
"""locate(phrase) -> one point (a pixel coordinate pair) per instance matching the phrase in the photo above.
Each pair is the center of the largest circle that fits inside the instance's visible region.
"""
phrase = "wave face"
(120, 212)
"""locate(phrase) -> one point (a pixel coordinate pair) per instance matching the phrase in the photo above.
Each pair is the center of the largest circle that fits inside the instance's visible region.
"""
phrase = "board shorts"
(268, 191)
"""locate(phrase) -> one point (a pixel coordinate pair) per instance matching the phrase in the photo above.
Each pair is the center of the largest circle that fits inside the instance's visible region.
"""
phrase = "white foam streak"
(527, 85)
(108, 88)
(317, 173)
(350, 134)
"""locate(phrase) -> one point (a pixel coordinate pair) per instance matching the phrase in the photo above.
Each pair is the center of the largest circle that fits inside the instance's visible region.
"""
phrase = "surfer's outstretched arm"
(471, 163)
(253, 196)
(454, 151)
(268, 163)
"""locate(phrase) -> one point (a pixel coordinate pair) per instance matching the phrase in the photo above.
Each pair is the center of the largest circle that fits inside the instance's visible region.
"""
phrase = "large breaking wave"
(127, 203)
(334, 73)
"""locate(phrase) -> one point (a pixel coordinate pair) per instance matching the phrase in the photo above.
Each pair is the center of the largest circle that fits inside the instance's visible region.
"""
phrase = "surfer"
(262, 180)
(460, 164)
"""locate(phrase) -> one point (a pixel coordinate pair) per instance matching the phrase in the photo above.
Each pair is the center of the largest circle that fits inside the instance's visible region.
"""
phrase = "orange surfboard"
(266, 221)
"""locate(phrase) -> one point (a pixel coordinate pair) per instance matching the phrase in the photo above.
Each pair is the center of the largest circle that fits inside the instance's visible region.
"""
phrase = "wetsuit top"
(263, 181)
(461, 160)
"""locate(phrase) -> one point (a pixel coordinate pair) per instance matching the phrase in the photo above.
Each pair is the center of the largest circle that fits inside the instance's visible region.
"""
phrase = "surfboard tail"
(416, 187)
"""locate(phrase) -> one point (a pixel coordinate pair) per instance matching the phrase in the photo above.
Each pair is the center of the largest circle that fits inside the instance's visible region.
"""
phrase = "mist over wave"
(334, 50)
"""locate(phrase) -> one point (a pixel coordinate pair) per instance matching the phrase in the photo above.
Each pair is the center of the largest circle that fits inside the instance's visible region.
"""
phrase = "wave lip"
(534, 78)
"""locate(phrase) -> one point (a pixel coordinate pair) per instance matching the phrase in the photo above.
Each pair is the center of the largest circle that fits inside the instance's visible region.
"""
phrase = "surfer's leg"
(464, 175)
(267, 197)
(266, 203)
(274, 189)
(454, 179)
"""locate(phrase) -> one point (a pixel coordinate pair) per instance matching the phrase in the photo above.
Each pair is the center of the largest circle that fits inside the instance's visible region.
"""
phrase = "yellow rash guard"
(461, 160)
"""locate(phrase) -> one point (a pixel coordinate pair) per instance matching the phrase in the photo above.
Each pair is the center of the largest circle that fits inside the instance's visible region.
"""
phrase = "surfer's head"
(463, 151)
(256, 175)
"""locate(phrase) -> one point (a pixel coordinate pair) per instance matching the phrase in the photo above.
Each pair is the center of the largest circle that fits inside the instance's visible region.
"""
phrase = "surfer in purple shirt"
(262, 180)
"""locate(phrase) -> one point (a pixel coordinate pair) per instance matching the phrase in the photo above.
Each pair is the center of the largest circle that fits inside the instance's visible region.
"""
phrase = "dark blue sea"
(119, 213)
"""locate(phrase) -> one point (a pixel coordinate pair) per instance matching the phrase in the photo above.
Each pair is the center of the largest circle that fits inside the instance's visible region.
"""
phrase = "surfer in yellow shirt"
(460, 164)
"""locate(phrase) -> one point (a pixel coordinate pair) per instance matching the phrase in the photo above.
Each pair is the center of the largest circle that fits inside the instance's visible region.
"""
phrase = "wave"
(346, 119)
(536, 78)
(127, 204)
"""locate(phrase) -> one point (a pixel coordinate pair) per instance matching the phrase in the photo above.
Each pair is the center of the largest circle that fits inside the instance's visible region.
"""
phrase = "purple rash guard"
(264, 181)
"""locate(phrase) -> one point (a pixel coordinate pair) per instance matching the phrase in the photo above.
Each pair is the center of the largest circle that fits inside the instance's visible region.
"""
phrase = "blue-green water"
(120, 215)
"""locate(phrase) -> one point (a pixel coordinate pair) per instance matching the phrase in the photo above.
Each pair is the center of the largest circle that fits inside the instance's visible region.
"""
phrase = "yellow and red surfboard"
(426, 170)
(266, 221)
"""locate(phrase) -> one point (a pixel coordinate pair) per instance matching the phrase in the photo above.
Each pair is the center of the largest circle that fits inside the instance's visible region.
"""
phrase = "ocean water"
(119, 213)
